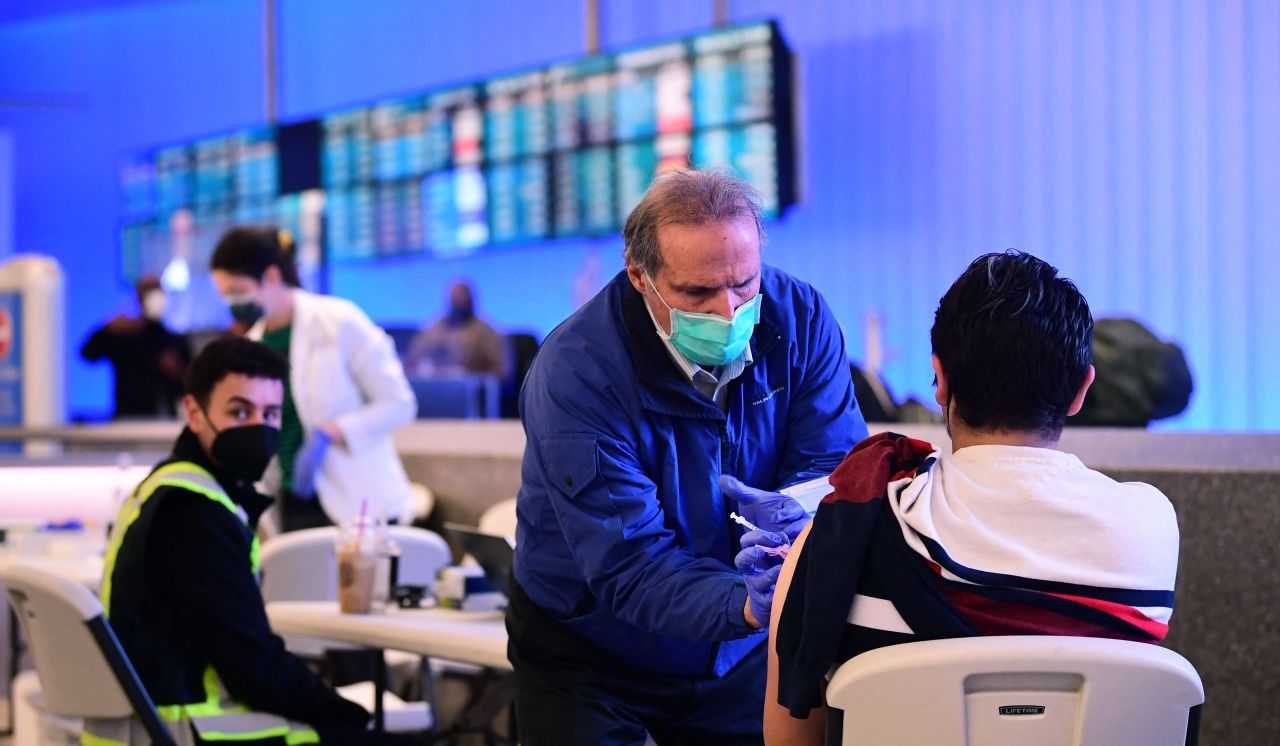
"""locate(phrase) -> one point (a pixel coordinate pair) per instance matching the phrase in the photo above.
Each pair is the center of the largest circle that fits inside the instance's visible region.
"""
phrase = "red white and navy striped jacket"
(915, 545)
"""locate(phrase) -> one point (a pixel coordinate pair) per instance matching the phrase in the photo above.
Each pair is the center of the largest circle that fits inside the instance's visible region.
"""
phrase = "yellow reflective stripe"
(129, 513)
(182, 474)
(170, 713)
(212, 704)
(213, 735)
(301, 736)
(88, 739)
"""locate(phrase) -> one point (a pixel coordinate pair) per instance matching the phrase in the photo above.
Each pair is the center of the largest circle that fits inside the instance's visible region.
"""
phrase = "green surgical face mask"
(708, 339)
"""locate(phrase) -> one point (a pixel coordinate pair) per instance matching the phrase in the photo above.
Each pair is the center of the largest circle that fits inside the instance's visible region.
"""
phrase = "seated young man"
(1003, 535)
(180, 583)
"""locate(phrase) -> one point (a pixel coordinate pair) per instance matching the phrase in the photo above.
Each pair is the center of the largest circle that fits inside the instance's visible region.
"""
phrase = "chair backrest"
(499, 519)
(302, 565)
(521, 349)
(422, 554)
(464, 396)
(1017, 690)
(82, 668)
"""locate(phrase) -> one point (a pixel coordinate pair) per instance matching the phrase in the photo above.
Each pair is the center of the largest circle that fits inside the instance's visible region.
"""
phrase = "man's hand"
(760, 562)
(770, 511)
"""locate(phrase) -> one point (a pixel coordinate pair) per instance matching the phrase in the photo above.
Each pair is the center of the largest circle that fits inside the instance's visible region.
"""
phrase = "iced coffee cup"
(358, 563)
(357, 567)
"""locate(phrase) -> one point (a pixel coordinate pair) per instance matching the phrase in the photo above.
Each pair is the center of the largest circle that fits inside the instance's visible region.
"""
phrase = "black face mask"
(246, 312)
(244, 452)
(459, 315)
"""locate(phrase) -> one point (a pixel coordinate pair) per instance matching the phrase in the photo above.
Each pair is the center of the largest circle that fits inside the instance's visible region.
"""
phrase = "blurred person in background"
(460, 342)
(149, 360)
(346, 391)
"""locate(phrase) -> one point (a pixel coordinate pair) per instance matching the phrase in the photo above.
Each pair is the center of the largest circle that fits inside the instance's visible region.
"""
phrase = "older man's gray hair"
(687, 197)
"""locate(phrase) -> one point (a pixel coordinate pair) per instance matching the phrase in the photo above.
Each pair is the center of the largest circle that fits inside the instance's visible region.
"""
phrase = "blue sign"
(11, 359)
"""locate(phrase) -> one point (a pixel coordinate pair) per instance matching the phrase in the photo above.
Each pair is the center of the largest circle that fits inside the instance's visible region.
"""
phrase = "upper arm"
(194, 537)
(779, 726)
(824, 422)
(370, 357)
(97, 345)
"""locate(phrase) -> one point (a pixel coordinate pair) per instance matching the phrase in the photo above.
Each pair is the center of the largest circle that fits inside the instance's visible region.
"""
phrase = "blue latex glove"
(307, 462)
(760, 568)
(771, 511)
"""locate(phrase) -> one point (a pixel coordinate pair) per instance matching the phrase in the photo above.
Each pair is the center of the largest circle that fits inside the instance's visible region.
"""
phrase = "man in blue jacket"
(627, 614)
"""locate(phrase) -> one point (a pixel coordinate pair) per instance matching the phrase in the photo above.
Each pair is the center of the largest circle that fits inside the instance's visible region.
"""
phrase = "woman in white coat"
(346, 392)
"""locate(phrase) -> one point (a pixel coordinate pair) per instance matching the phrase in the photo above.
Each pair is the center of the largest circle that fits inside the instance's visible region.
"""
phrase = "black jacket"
(184, 596)
(142, 388)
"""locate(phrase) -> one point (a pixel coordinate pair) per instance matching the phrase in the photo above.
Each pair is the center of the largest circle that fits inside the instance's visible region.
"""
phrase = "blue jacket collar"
(663, 387)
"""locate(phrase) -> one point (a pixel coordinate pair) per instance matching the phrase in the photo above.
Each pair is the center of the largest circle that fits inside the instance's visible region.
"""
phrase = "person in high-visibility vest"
(180, 586)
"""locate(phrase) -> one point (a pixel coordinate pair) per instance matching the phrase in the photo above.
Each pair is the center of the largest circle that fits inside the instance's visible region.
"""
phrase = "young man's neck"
(963, 437)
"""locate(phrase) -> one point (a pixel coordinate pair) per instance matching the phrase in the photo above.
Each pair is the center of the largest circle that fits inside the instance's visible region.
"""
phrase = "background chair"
(83, 671)
(464, 396)
(499, 519)
(522, 347)
(993, 691)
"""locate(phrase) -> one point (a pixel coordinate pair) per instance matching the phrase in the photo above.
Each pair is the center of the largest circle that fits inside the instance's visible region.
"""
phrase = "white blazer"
(343, 368)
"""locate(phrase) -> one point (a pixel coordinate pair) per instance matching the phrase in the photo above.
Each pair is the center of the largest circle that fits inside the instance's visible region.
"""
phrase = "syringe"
(775, 551)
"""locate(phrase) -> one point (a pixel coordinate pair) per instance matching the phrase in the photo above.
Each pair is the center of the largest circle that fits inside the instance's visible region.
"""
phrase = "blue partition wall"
(1132, 144)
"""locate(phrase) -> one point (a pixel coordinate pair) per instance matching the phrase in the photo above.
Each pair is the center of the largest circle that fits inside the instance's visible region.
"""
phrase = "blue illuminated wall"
(1133, 144)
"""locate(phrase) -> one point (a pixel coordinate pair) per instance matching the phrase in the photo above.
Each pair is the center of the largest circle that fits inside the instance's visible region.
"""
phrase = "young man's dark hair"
(1014, 340)
(249, 251)
(228, 355)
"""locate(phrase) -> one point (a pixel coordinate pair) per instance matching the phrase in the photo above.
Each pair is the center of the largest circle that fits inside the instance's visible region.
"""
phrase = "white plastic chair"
(499, 519)
(993, 691)
(302, 566)
(83, 671)
(422, 502)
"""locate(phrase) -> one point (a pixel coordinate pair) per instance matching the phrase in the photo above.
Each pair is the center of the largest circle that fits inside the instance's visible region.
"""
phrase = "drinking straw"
(364, 506)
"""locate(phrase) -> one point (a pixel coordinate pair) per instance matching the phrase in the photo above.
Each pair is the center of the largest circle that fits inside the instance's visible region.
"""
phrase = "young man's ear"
(941, 394)
(195, 417)
(1078, 402)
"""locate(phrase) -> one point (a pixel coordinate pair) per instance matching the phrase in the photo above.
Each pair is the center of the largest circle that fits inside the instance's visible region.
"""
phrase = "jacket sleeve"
(198, 562)
(608, 511)
(824, 421)
(372, 362)
(98, 345)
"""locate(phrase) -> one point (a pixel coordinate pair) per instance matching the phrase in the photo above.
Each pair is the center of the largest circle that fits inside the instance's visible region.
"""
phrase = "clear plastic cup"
(362, 566)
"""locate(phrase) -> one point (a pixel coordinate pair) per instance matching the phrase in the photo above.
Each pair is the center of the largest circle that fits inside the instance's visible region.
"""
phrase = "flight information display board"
(177, 201)
(565, 150)
(561, 151)
(202, 187)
